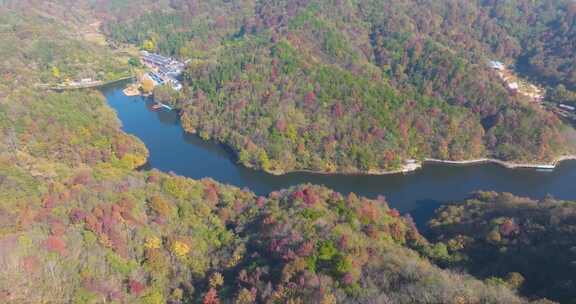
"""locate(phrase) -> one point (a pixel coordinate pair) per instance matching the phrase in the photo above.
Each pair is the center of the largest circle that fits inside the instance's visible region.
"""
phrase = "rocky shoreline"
(506, 164)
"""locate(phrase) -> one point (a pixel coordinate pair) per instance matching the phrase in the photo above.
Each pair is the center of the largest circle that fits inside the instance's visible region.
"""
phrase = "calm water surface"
(171, 149)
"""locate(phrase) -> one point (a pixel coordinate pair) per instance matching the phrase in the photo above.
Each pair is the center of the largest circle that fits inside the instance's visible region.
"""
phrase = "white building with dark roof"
(497, 65)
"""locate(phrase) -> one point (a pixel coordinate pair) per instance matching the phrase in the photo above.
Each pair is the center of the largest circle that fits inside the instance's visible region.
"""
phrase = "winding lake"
(419, 193)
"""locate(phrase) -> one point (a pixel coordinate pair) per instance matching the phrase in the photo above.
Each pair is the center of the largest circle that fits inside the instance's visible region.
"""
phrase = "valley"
(253, 160)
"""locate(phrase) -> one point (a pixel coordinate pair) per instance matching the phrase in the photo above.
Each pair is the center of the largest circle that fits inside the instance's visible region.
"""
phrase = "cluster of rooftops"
(535, 92)
(165, 70)
(515, 84)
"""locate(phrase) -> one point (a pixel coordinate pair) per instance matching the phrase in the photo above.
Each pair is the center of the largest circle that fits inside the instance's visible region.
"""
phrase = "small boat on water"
(159, 105)
(545, 168)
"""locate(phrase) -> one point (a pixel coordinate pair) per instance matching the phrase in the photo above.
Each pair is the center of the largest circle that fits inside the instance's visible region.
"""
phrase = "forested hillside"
(79, 223)
(43, 125)
(363, 85)
(322, 85)
(526, 244)
(46, 44)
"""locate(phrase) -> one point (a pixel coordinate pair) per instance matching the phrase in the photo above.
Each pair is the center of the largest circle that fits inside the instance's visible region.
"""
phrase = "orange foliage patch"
(57, 228)
(56, 244)
(30, 264)
(136, 287)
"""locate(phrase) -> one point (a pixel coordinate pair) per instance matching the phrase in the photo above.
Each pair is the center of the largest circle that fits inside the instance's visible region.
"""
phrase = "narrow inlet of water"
(419, 193)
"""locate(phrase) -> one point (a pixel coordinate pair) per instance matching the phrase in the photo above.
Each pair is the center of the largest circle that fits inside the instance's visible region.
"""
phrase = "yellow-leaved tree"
(180, 249)
(147, 85)
(149, 45)
(56, 72)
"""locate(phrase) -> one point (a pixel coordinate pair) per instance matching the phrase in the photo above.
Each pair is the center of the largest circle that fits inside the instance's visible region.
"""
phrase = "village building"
(165, 70)
(513, 86)
(567, 107)
(497, 65)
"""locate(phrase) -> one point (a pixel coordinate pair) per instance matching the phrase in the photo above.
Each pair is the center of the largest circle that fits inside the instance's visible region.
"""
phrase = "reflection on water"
(171, 149)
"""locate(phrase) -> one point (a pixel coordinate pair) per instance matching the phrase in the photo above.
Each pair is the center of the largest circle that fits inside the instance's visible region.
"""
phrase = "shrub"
(154, 297)
(180, 249)
(153, 242)
(56, 244)
(161, 206)
(135, 287)
(216, 280)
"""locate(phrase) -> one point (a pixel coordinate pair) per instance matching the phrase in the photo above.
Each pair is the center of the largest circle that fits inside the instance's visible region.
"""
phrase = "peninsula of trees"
(363, 86)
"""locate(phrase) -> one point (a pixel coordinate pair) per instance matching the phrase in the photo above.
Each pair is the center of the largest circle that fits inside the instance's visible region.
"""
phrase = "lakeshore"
(412, 167)
(409, 166)
(83, 85)
(506, 164)
(416, 188)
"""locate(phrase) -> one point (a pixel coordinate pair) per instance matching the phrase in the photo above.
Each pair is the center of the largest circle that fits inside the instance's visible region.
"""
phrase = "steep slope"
(355, 86)
(52, 126)
(103, 235)
(79, 225)
(530, 243)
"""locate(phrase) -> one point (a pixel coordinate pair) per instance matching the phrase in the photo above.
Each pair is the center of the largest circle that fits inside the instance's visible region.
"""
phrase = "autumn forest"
(330, 86)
